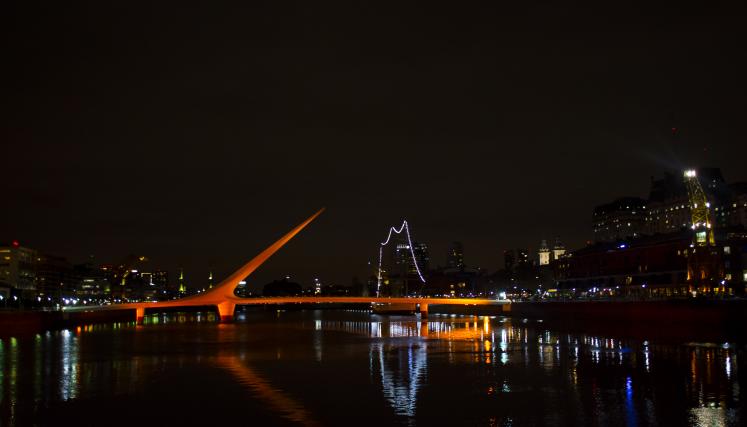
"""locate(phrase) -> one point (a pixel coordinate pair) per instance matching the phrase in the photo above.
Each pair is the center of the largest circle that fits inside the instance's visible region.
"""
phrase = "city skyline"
(506, 127)
(196, 282)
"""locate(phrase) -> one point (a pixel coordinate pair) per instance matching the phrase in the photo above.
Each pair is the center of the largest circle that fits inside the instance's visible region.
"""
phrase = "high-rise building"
(421, 257)
(403, 258)
(55, 277)
(544, 253)
(669, 205)
(93, 282)
(455, 256)
(18, 267)
(621, 219)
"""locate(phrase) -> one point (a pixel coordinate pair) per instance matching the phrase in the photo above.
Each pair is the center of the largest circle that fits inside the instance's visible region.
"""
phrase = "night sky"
(197, 135)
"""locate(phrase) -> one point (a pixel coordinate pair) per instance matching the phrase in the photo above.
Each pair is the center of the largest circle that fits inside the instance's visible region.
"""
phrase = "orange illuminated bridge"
(223, 298)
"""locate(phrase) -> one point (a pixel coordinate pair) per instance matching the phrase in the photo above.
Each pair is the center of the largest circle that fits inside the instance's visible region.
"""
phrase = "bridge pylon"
(226, 311)
(139, 315)
(423, 310)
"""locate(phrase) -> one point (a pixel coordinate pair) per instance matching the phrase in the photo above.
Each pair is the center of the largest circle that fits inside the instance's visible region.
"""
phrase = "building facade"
(621, 219)
(455, 256)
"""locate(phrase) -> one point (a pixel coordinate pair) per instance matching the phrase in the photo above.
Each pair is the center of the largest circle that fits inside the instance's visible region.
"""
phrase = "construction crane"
(700, 211)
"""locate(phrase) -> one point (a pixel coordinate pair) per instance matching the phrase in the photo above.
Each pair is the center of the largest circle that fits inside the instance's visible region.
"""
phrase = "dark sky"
(199, 134)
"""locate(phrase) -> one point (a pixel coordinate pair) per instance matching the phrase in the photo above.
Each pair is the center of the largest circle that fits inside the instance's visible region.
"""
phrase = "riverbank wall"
(708, 312)
(28, 322)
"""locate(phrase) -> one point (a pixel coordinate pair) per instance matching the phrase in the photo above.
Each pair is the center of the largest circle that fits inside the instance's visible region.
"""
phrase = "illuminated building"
(558, 249)
(34, 276)
(668, 208)
(18, 268)
(619, 220)
(639, 267)
(669, 203)
(544, 253)
(92, 282)
(55, 277)
(455, 256)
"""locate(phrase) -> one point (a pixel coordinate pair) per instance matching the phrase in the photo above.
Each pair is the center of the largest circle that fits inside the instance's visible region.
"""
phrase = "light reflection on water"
(397, 369)
(401, 370)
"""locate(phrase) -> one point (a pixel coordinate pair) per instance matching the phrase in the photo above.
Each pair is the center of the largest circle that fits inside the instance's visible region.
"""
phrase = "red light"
(16, 243)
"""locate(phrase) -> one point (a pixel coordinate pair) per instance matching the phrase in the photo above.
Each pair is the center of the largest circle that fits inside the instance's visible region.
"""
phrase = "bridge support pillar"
(225, 310)
(139, 315)
(423, 311)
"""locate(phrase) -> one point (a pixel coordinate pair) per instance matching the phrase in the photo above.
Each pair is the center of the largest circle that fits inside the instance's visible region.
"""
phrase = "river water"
(352, 367)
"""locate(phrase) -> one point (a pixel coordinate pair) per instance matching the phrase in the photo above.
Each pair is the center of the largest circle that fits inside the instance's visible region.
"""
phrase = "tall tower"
(544, 253)
(210, 280)
(182, 286)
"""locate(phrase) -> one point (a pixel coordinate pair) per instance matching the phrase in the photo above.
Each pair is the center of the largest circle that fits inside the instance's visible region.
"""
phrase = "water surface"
(342, 367)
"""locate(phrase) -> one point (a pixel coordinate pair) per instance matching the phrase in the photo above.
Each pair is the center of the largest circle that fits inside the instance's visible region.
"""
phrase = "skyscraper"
(403, 257)
(455, 256)
(18, 267)
(421, 256)
(621, 219)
